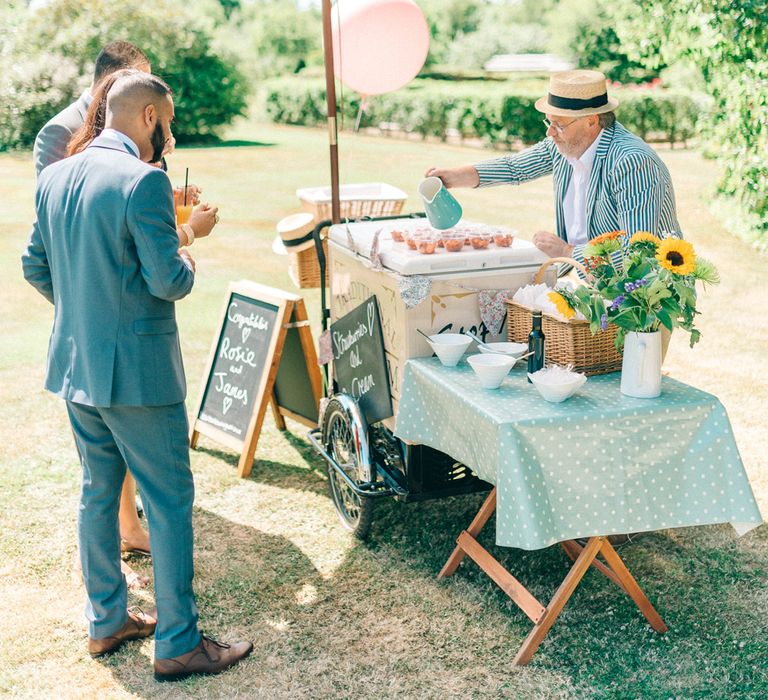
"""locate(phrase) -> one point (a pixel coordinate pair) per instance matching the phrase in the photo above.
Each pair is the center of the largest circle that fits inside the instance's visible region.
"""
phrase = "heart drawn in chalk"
(227, 404)
(246, 333)
(370, 319)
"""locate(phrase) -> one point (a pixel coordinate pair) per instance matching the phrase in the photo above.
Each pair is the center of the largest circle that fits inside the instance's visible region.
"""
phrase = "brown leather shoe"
(206, 658)
(139, 626)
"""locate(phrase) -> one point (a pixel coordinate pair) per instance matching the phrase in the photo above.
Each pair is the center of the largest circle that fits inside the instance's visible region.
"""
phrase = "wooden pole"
(330, 92)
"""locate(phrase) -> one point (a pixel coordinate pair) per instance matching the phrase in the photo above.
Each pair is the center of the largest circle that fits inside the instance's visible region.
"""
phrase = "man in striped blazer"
(605, 178)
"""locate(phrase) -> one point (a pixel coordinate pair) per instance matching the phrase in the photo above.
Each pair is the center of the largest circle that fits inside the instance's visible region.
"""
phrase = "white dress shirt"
(575, 202)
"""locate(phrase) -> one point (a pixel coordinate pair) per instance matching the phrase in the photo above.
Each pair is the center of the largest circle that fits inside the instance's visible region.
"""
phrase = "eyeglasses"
(557, 127)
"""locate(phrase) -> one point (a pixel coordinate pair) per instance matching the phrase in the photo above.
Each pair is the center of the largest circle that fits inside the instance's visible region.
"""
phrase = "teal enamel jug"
(443, 211)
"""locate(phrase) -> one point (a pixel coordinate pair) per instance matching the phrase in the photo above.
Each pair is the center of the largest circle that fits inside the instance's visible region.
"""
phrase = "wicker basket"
(304, 267)
(567, 342)
(355, 201)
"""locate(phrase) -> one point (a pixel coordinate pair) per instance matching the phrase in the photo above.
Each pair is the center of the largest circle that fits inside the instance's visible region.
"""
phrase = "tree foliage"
(209, 90)
(32, 90)
(279, 39)
(476, 49)
(464, 34)
(446, 20)
(727, 41)
(585, 33)
(229, 6)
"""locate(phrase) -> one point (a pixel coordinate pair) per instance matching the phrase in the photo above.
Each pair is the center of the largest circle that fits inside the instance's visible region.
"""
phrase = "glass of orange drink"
(183, 209)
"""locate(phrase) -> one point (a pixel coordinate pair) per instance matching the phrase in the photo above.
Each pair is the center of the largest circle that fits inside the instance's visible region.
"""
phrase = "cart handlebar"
(325, 310)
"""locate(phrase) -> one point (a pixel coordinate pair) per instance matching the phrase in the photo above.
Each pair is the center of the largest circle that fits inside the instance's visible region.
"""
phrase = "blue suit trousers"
(152, 442)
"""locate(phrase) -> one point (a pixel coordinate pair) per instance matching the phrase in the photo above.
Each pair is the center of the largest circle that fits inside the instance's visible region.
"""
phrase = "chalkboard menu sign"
(239, 364)
(359, 363)
(243, 366)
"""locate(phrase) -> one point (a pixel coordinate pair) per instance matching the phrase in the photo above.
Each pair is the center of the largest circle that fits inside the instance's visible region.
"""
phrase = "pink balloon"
(378, 45)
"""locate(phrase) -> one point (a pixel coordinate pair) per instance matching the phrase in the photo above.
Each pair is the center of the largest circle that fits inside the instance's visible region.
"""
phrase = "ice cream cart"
(433, 293)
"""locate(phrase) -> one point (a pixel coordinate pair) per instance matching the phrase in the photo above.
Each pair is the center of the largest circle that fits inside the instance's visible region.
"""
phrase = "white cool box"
(452, 302)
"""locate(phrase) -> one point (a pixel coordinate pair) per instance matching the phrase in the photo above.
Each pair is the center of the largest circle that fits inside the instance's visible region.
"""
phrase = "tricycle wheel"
(355, 512)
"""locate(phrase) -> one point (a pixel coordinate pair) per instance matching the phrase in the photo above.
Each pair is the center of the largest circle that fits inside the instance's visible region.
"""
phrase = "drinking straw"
(186, 183)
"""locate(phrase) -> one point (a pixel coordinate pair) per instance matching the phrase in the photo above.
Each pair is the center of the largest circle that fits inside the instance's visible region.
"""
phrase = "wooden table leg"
(537, 634)
(519, 594)
(573, 549)
(629, 584)
(583, 557)
(482, 517)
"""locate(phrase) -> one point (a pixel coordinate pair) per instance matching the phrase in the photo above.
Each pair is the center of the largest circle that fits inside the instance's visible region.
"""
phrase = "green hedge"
(495, 113)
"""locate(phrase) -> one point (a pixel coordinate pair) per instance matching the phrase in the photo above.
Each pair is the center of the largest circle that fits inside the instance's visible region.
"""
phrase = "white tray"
(401, 259)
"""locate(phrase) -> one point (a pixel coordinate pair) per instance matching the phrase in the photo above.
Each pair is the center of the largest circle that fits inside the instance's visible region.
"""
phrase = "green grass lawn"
(331, 617)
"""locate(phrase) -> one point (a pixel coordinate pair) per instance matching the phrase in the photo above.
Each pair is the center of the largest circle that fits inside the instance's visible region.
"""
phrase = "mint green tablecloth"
(598, 464)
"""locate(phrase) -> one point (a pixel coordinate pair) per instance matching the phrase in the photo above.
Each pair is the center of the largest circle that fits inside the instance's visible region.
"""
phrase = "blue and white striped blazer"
(629, 188)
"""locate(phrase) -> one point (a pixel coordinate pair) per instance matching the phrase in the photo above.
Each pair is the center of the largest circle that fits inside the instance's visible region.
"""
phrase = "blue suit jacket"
(103, 250)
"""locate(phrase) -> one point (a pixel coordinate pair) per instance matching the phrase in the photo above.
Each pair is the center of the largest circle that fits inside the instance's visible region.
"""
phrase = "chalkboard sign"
(239, 364)
(244, 362)
(298, 385)
(359, 363)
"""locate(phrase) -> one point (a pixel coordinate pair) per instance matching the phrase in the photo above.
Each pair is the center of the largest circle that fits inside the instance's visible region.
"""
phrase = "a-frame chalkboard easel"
(262, 353)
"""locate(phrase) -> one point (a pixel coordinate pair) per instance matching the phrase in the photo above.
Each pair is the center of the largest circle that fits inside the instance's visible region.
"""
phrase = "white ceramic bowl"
(560, 391)
(513, 349)
(491, 368)
(449, 347)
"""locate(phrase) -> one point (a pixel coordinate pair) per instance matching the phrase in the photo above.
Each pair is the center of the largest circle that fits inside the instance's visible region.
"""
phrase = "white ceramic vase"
(641, 366)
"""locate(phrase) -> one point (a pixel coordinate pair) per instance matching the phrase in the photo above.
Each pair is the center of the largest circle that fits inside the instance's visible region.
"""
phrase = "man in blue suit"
(105, 251)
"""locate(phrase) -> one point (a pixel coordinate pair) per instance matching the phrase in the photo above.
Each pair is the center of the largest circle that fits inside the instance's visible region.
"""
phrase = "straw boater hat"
(294, 234)
(577, 93)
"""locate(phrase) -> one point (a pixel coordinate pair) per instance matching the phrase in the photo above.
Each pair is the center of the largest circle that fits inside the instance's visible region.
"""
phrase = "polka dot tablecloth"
(600, 463)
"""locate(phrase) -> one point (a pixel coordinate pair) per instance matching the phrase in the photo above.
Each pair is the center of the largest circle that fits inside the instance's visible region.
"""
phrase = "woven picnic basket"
(567, 342)
(355, 208)
(304, 267)
(355, 200)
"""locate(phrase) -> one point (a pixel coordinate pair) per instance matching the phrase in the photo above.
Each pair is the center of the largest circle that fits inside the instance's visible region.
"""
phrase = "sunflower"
(676, 255)
(562, 304)
(644, 237)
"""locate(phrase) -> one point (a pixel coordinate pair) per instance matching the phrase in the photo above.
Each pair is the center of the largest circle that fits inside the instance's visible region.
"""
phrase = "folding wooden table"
(597, 465)
(544, 617)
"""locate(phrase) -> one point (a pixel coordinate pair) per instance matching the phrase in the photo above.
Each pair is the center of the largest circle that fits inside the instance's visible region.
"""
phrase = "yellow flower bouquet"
(640, 283)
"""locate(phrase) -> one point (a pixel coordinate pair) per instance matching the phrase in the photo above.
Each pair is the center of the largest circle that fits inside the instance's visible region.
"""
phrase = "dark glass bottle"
(536, 345)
